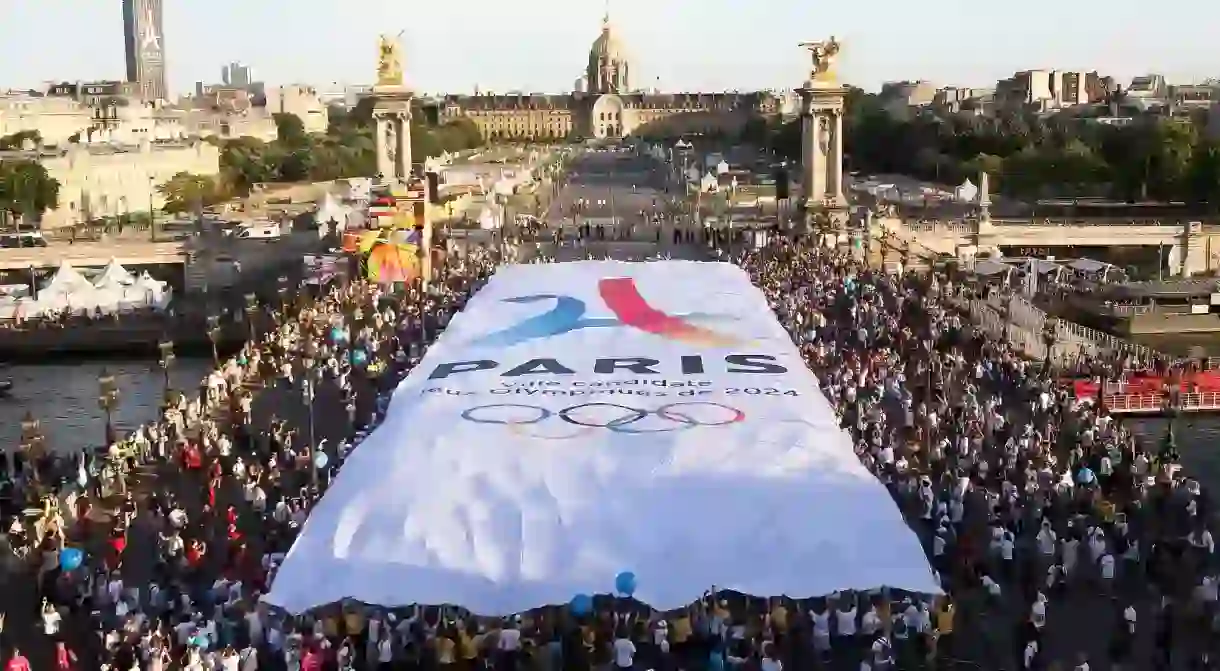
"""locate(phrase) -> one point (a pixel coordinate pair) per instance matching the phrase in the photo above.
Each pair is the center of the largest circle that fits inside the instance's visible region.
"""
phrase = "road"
(611, 185)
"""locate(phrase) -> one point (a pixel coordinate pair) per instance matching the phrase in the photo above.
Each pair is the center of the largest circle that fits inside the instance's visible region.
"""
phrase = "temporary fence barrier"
(1136, 403)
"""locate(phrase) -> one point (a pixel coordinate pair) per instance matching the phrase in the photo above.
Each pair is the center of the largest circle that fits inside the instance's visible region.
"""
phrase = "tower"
(822, 104)
(144, 47)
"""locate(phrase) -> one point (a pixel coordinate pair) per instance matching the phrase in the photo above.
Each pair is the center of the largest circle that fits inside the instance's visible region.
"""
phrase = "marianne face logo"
(630, 310)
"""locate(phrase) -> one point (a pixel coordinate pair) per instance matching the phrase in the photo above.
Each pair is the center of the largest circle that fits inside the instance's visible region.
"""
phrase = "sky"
(676, 45)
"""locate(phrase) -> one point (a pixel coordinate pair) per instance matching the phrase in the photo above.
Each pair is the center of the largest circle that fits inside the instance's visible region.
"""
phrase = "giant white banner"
(583, 419)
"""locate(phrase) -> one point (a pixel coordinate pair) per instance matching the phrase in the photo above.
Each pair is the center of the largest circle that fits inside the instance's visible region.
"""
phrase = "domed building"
(609, 71)
(607, 105)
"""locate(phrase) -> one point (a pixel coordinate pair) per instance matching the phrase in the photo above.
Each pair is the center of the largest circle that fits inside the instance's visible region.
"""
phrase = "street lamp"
(502, 201)
(307, 397)
(166, 347)
(32, 442)
(282, 290)
(152, 217)
(107, 400)
(251, 311)
(214, 337)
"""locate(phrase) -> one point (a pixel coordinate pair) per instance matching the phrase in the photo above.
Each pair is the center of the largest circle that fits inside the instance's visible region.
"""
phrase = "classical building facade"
(97, 181)
(609, 106)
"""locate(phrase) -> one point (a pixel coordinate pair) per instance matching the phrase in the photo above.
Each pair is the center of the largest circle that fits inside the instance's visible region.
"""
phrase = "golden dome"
(607, 45)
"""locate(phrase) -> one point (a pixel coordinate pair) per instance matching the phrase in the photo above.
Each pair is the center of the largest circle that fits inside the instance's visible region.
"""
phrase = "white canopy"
(66, 278)
(966, 192)
(331, 210)
(488, 218)
(114, 274)
(726, 467)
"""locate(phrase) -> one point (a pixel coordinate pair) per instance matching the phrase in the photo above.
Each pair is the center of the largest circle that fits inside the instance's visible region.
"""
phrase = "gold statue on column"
(389, 61)
(824, 54)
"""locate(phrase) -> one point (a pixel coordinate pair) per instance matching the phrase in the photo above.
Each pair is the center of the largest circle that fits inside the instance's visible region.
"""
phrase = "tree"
(26, 189)
(16, 141)
(290, 130)
(1203, 179)
(188, 192)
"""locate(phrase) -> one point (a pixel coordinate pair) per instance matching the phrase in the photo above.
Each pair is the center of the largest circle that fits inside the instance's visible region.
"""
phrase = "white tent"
(966, 192)
(114, 275)
(331, 210)
(66, 278)
(488, 218)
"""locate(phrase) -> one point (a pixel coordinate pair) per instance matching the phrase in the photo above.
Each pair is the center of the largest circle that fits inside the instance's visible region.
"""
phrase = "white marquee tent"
(114, 274)
(966, 192)
(113, 290)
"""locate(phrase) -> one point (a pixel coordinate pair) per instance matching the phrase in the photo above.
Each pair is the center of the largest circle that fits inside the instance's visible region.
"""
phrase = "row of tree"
(1030, 155)
(346, 149)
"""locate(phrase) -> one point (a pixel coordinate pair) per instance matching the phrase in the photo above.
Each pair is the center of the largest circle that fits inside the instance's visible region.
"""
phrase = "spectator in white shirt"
(624, 651)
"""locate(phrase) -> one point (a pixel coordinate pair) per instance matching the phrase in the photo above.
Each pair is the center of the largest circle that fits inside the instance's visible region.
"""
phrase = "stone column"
(837, 160)
(383, 156)
(403, 138)
(818, 164)
(809, 131)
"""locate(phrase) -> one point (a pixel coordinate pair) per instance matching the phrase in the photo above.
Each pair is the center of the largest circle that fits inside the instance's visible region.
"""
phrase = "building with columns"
(611, 105)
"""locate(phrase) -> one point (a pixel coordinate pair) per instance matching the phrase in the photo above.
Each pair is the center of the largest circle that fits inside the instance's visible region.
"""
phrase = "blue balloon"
(320, 459)
(337, 334)
(70, 559)
(624, 583)
(582, 604)
(359, 357)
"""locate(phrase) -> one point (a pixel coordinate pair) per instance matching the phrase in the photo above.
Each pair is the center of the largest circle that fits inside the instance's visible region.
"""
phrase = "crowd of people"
(1062, 542)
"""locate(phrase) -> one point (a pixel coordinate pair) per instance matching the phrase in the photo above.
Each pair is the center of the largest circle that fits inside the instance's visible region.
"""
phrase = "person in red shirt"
(65, 659)
(17, 662)
(194, 553)
(191, 457)
(117, 544)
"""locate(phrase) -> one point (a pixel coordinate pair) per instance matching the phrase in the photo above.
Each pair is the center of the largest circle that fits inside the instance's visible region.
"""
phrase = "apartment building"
(1045, 90)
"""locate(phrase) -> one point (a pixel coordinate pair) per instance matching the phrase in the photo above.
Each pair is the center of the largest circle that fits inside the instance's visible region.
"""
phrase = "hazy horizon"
(454, 47)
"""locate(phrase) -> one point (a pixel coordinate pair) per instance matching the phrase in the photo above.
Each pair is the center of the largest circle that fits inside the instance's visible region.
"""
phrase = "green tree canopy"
(187, 192)
(1031, 155)
(346, 149)
(26, 189)
(17, 140)
(290, 130)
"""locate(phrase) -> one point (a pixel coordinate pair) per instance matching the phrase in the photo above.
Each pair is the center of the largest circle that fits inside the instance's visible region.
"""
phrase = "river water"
(63, 398)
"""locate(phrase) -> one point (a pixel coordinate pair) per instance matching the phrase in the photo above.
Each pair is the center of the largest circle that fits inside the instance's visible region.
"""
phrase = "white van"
(262, 231)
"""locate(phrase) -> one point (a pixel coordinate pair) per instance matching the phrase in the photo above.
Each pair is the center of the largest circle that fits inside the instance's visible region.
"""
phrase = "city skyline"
(671, 47)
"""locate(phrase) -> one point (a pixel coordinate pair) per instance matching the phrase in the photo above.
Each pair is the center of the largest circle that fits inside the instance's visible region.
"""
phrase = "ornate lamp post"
(214, 337)
(107, 400)
(32, 442)
(251, 311)
(166, 346)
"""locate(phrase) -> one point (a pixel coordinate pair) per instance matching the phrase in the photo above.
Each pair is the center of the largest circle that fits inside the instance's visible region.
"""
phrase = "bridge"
(1192, 247)
(87, 254)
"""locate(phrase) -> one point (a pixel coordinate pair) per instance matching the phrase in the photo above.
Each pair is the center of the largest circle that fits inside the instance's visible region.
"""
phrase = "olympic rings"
(677, 414)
